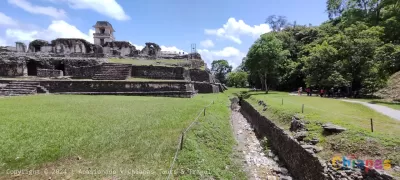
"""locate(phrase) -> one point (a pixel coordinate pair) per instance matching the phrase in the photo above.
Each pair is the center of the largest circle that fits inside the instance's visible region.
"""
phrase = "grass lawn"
(383, 143)
(95, 137)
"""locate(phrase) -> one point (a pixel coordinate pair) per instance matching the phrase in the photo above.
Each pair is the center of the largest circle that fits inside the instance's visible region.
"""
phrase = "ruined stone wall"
(301, 163)
(82, 72)
(203, 87)
(59, 86)
(200, 75)
(158, 72)
(49, 73)
(46, 49)
(20, 47)
(12, 68)
(125, 51)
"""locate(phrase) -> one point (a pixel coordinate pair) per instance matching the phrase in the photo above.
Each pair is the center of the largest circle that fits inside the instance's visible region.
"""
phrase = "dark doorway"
(101, 41)
(32, 68)
(102, 30)
(60, 66)
(37, 48)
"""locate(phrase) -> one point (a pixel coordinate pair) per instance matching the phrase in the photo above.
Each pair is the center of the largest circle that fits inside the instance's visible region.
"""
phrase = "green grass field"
(358, 139)
(95, 137)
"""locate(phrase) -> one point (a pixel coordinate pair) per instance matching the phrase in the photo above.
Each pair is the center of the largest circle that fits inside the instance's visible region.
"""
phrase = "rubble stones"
(333, 128)
(300, 135)
(314, 141)
(378, 175)
(296, 124)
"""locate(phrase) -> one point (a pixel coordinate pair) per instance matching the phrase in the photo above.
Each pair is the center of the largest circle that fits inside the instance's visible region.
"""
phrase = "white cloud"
(48, 10)
(3, 42)
(138, 47)
(57, 29)
(171, 49)
(7, 21)
(108, 8)
(231, 54)
(207, 43)
(233, 29)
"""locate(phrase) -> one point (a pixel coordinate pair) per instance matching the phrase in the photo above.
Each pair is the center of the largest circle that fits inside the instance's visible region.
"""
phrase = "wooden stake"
(182, 135)
(372, 126)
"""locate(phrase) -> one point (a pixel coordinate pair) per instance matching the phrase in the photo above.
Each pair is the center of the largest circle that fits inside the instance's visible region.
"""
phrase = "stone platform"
(110, 87)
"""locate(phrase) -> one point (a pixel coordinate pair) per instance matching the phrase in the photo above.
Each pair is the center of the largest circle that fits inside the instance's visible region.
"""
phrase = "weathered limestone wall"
(301, 164)
(59, 86)
(200, 75)
(49, 73)
(20, 47)
(82, 72)
(203, 87)
(46, 49)
(12, 68)
(159, 72)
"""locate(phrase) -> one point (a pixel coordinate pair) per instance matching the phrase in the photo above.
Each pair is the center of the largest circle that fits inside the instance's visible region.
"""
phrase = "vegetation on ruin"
(158, 62)
(358, 139)
(137, 134)
(358, 48)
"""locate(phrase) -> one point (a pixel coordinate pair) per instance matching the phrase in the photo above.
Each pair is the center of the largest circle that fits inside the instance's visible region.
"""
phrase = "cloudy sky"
(221, 29)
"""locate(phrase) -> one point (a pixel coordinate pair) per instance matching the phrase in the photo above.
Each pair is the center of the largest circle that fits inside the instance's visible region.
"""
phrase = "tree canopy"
(357, 49)
(220, 68)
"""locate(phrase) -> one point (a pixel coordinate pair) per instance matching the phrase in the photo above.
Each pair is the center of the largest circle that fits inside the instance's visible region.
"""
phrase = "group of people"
(322, 92)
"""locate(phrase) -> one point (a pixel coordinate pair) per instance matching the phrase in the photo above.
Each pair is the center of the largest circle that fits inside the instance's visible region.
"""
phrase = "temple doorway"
(60, 66)
(32, 68)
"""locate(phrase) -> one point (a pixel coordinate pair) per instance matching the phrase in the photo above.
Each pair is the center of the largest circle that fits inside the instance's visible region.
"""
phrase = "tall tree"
(265, 56)
(220, 68)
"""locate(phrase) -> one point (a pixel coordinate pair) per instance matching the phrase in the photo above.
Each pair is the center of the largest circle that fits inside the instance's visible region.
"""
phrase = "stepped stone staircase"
(17, 88)
(113, 71)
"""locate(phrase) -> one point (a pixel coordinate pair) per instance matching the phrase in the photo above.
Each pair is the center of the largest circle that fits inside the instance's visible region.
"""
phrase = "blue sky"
(221, 29)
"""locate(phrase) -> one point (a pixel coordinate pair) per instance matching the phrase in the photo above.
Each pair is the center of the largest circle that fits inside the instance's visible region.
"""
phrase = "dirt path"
(257, 165)
(395, 114)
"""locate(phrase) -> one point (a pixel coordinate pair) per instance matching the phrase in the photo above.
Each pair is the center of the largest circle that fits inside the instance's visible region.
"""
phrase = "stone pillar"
(25, 69)
(20, 47)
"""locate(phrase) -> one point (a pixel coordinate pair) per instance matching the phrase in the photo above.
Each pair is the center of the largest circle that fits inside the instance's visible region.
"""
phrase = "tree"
(323, 68)
(220, 68)
(277, 23)
(237, 79)
(265, 56)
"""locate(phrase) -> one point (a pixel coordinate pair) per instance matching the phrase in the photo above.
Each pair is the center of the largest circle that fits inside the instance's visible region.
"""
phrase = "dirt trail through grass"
(395, 114)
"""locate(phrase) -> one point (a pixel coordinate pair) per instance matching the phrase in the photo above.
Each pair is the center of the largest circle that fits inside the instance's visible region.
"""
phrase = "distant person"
(300, 90)
(308, 91)
(321, 92)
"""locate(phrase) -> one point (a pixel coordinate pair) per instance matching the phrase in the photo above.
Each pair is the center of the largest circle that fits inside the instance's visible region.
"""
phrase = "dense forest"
(356, 50)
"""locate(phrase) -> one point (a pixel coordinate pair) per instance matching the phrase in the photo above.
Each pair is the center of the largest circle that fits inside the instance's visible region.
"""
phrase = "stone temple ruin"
(76, 66)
